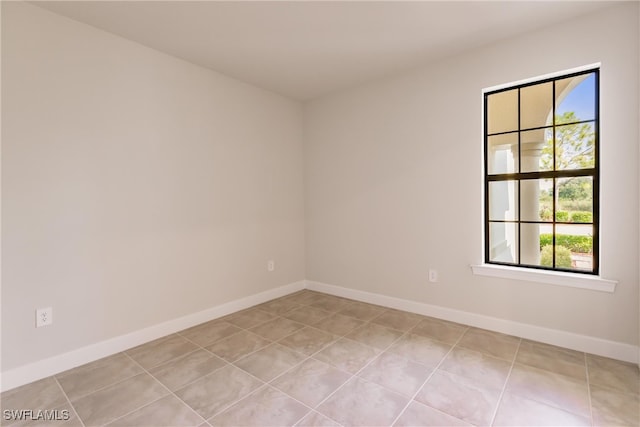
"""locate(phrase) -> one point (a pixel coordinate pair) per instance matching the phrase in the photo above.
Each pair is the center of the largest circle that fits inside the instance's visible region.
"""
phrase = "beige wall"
(393, 176)
(137, 188)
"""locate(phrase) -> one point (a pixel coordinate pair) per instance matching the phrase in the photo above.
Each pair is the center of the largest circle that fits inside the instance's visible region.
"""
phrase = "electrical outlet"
(271, 265)
(44, 317)
(433, 276)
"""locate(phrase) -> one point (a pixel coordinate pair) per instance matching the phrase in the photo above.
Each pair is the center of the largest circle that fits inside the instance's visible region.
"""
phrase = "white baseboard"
(43, 368)
(585, 343)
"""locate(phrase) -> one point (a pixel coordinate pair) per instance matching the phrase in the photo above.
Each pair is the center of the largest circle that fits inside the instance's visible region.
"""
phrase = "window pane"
(502, 111)
(502, 153)
(576, 98)
(530, 243)
(545, 130)
(536, 105)
(575, 146)
(536, 150)
(503, 242)
(536, 200)
(503, 200)
(575, 199)
(574, 246)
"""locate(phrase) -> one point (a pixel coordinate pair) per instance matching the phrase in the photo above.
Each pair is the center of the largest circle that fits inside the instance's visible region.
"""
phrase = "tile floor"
(311, 359)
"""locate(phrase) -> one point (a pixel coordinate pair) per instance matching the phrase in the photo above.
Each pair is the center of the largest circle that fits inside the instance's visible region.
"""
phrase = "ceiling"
(305, 49)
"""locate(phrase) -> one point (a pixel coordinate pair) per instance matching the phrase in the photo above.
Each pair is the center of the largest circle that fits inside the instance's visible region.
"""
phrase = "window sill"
(582, 281)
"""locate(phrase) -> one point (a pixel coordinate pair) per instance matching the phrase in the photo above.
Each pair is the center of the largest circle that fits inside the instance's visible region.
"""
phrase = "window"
(542, 174)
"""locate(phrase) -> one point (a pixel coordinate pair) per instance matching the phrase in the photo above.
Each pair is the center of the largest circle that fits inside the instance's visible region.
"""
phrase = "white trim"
(582, 281)
(584, 343)
(56, 364)
(544, 77)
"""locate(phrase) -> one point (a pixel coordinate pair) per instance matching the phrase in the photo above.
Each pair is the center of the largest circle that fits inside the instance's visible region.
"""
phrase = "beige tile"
(362, 311)
(42, 394)
(552, 389)
(270, 362)
(329, 303)
(338, 324)
(440, 330)
(238, 345)
(180, 372)
(277, 328)
(93, 376)
(266, 407)
(210, 332)
(613, 374)
(491, 343)
(421, 349)
(168, 411)
(463, 398)
(307, 340)
(215, 392)
(363, 403)
(613, 408)
(311, 381)
(279, 306)
(316, 419)
(551, 358)
(106, 405)
(162, 350)
(478, 366)
(303, 297)
(396, 373)
(418, 414)
(308, 315)
(249, 318)
(348, 355)
(396, 319)
(519, 411)
(374, 335)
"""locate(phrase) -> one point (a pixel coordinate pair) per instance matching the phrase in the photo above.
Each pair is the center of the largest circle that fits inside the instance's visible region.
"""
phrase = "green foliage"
(576, 205)
(546, 214)
(563, 256)
(562, 216)
(575, 144)
(581, 216)
(577, 244)
(575, 189)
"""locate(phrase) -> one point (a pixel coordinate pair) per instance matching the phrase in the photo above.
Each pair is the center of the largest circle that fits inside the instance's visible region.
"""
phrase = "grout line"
(586, 368)
(312, 299)
(313, 411)
(435, 369)
(82, 396)
(225, 364)
(175, 359)
(333, 341)
(180, 333)
(64, 393)
(561, 376)
(355, 375)
(264, 383)
(234, 402)
(504, 387)
(162, 397)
